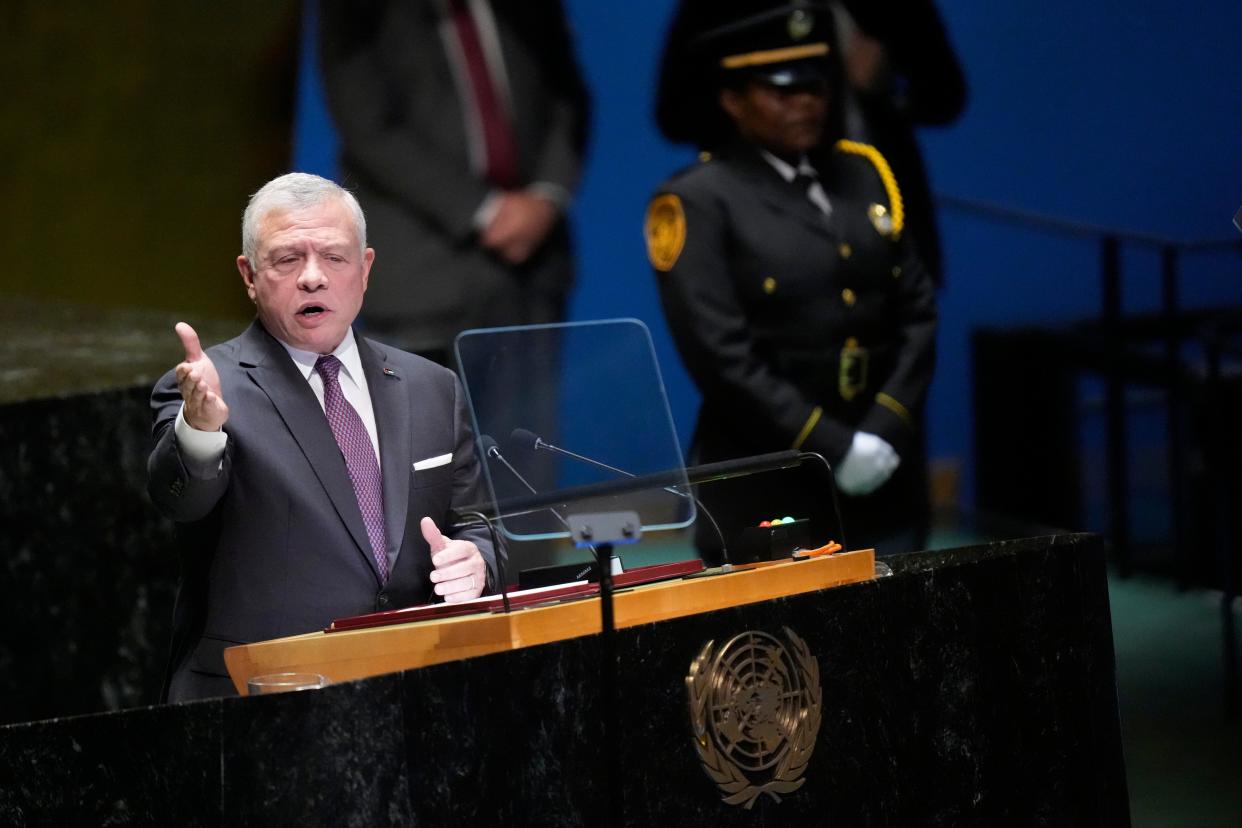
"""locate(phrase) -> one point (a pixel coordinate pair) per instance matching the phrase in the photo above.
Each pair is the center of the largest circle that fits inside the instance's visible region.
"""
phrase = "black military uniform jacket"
(799, 328)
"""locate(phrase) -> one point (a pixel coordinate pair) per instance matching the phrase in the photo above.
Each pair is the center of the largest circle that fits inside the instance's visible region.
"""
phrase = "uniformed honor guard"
(800, 310)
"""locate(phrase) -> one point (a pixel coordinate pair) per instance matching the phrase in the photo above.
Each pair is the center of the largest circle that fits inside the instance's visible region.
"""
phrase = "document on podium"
(518, 599)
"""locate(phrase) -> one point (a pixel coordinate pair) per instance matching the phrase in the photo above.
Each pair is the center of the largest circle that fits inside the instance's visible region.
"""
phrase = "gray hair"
(295, 191)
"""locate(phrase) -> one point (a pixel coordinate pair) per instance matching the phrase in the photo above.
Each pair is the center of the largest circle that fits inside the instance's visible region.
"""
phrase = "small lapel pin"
(388, 372)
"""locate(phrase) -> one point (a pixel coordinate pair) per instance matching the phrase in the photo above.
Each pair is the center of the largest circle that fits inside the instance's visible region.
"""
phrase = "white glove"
(869, 462)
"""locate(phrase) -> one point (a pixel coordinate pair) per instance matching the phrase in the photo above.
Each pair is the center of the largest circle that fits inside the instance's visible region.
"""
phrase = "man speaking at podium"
(310, 472)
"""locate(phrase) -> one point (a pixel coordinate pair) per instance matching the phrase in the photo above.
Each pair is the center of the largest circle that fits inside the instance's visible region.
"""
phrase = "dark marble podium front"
(88, 570)
(972, 687)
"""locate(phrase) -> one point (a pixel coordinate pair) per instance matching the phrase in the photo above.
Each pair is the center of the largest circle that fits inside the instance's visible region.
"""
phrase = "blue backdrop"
(1125, 115)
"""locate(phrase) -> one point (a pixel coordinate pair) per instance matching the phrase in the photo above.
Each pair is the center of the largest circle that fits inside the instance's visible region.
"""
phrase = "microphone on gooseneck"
(492, 450)
(532, 441)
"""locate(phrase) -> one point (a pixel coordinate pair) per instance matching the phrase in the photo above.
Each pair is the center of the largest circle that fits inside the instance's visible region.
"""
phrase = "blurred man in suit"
(298, 459)
(462, 125)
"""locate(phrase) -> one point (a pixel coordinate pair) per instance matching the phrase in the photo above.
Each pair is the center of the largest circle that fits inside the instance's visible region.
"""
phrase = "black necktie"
(807, 185)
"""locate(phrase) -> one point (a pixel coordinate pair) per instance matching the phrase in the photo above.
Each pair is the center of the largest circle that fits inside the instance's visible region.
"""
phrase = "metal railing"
(1212, 332)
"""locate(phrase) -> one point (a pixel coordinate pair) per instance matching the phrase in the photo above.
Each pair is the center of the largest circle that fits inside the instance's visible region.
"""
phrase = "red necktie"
(497, 135)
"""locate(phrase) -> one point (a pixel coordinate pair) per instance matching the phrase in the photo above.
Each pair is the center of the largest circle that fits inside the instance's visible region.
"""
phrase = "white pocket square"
(432, 462)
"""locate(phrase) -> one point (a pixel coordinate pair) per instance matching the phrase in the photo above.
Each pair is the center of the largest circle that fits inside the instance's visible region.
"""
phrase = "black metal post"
(608, 689)
(1114, 405)
(1176, 390)
(1220, 486)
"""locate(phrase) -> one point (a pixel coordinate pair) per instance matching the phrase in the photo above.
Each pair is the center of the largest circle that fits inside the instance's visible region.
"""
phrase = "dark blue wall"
(1126, 115)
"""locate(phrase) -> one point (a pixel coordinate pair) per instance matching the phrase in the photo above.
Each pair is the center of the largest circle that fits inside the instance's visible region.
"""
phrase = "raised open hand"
(199, 384)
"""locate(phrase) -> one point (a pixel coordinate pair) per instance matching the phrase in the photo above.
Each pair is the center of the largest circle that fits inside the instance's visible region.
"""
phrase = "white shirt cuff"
(487, 211)
(554, 193)
(202, 452)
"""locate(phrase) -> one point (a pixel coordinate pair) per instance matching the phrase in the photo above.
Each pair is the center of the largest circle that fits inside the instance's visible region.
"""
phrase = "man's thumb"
(431, 534)
(189, 341)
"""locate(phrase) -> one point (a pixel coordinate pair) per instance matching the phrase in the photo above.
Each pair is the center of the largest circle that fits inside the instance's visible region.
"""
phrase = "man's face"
(785, 120)
(310, 275)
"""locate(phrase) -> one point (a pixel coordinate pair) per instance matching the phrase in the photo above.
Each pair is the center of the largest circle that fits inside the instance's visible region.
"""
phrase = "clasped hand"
(520, 226)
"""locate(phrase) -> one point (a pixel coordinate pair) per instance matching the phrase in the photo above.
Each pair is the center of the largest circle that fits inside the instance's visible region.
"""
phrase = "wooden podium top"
(355, 654)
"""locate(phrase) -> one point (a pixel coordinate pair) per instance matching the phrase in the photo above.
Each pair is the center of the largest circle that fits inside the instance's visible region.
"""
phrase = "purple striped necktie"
(351, 435)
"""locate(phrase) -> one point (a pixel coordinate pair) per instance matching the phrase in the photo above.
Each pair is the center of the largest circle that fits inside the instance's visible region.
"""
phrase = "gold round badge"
(665, 231)
(755, 707)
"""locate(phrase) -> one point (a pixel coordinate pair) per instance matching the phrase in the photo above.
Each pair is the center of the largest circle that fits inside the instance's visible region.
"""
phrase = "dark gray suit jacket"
(274, 545)
(404, 151)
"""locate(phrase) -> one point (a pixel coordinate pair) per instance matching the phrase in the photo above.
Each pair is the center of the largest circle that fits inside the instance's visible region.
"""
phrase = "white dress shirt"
(815, 192)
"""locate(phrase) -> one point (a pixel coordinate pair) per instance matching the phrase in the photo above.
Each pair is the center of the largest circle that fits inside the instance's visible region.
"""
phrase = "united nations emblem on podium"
(755, 714)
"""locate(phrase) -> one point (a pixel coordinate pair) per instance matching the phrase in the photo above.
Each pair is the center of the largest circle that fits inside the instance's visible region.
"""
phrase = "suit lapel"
(269, 367)
(391, 402)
